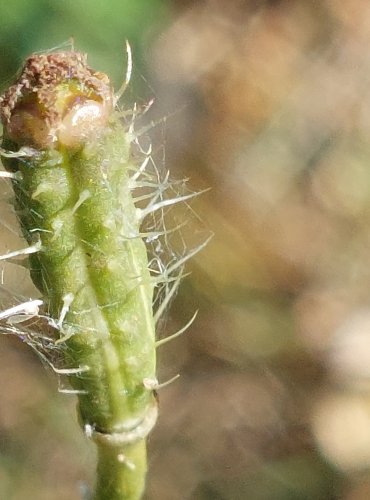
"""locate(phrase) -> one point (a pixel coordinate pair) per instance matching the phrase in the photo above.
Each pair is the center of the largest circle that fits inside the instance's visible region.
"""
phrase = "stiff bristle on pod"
(90, 213)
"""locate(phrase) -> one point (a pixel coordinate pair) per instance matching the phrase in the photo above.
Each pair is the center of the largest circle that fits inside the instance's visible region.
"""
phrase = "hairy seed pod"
(73, 195)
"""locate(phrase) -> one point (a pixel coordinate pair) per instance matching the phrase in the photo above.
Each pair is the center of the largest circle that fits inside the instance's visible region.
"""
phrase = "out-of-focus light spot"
(349, 355)
(341, 425)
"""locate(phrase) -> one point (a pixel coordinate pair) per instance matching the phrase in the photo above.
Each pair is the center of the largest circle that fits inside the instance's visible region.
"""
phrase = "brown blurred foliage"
(274, 402)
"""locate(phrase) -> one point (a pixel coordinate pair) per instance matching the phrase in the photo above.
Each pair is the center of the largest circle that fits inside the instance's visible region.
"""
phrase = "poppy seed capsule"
(74, 193)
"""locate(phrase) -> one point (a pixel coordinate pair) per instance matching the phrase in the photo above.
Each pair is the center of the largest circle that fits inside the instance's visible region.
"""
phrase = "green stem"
(121, 472)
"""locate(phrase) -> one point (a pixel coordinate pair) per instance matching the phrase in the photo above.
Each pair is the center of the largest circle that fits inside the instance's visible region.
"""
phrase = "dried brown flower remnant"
(56, 97)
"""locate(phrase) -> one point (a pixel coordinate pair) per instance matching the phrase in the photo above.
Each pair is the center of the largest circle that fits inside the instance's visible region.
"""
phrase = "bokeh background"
(268, 103)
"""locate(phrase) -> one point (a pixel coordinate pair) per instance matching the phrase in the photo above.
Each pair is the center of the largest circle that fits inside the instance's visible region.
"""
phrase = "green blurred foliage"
(98, 28)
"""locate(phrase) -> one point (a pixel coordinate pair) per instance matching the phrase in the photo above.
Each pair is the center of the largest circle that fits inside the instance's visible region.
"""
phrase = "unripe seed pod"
(74, 191)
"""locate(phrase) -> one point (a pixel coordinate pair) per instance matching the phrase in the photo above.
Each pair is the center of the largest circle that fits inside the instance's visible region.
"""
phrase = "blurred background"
(268, 103)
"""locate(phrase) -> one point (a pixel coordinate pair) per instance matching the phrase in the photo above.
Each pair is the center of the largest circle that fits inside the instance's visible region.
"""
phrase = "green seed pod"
(74, 202)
